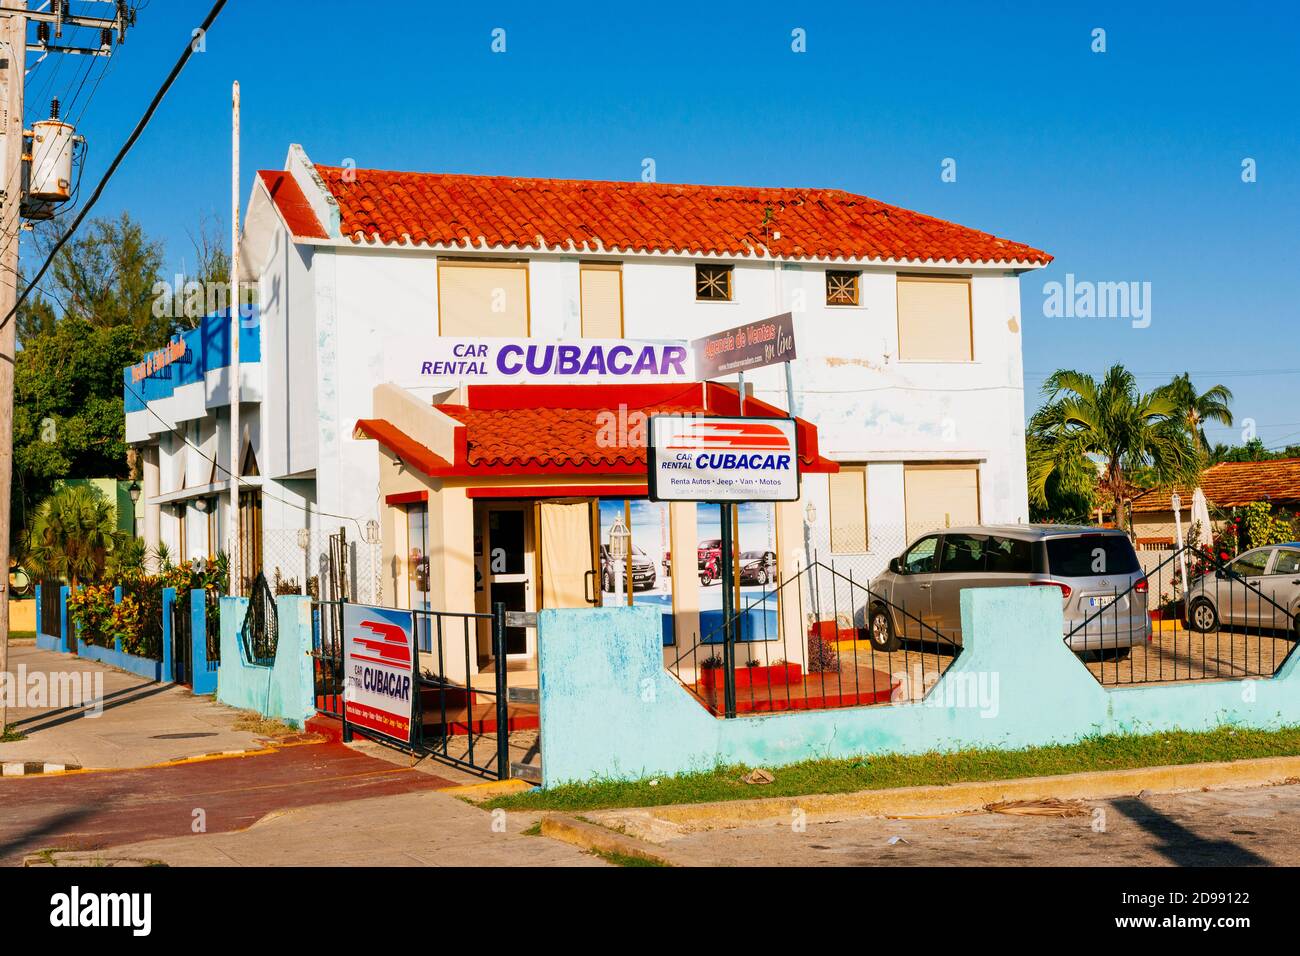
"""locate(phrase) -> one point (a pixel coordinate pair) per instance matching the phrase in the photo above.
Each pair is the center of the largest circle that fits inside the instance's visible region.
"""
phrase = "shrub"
(91, 613)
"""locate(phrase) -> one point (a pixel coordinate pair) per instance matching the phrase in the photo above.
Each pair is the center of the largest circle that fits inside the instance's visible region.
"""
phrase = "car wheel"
(881, 631)
(1202, 618)
(762, 577)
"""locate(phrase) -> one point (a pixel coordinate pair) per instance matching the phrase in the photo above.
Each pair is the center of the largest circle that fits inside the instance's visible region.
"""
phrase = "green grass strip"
(1102, 752)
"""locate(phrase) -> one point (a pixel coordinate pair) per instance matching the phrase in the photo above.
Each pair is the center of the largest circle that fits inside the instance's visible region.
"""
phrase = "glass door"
(509, 562)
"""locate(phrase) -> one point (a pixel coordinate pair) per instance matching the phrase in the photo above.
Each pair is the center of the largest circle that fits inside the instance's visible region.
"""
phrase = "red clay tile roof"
(1231, 484)
(420, 209)
(293, 205)
(551, 436)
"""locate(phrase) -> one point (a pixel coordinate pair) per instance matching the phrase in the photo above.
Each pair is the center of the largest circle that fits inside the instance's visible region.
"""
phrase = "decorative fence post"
(64, 591)
(168, 599)
(203, 677)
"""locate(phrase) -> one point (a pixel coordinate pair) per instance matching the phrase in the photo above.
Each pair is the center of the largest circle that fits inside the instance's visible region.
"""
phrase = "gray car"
(1259, 588)
(1102, 585)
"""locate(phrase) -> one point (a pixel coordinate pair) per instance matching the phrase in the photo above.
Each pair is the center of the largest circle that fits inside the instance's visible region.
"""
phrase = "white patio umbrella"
(1201, 519)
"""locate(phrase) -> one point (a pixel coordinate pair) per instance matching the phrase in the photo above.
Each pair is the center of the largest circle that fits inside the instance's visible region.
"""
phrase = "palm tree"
(74, 532)
(1109, 430)
(1195, 410)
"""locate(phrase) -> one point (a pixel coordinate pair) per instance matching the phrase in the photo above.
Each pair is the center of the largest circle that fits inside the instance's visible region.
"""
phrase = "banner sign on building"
(722, 459)
(746, 347)
(498, 361)
(379, 669)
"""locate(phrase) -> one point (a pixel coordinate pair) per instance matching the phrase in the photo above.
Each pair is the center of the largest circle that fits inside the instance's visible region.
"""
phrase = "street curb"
(589, 836)
(28, 768)
(478, 792)
(657, 824)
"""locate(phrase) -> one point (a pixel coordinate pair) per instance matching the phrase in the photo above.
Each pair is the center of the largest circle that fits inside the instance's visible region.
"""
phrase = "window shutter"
(934, 321)
(848, 499)
(483, 299)
(940, 496)
(602, 301)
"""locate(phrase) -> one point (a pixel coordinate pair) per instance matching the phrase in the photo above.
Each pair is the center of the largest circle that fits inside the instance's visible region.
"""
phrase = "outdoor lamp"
(304, 538)
(618, 538)
(372, 531)
(810, 513)
(133, 489)
(201, 505)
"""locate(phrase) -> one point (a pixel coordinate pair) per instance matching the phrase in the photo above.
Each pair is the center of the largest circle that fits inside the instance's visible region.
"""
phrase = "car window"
(1091, 556)
(920, 558)
(1251, 564)
(1010, 556)
(1288, 562)
(963, 553)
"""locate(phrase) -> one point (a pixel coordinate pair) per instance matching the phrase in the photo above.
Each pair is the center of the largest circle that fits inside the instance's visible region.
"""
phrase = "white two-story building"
(908, 332)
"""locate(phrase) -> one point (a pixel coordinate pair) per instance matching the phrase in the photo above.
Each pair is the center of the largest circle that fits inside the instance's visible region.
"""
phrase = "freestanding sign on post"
(723, 460)
(378, 670)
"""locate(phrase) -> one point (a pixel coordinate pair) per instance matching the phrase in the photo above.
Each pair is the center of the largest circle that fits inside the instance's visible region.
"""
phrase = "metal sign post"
(726, 518)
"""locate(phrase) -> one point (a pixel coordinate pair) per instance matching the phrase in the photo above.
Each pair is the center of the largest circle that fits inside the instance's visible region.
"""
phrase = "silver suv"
(1260, 588)
(1102, 584)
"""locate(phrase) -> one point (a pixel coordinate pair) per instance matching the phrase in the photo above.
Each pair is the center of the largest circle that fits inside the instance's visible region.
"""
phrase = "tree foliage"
(1094, 436)
(74, 533)
(68, 415)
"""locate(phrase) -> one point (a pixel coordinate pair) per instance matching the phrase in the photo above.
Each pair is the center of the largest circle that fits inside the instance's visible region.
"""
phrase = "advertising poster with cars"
(651, 565)
(756, 570)
(378, 669)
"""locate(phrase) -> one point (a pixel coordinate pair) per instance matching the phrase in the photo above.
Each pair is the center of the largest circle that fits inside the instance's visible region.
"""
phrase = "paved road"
(95, 810)
(1255, 827)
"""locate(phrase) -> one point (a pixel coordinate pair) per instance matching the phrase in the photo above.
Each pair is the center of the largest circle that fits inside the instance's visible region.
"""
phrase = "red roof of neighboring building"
(573, 429)
(426, 209)
(293, 205)
(1231, 484)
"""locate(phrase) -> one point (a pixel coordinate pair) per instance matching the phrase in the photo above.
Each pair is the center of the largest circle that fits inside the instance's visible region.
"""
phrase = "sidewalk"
(142, 723)
(415, 829)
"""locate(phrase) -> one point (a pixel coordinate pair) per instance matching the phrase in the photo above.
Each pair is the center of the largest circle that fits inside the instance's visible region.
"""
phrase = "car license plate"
(1105, 601)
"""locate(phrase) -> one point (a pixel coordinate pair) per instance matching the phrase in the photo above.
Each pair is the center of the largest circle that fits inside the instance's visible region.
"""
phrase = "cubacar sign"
(379, 670)
(722, 459)
(503, 360)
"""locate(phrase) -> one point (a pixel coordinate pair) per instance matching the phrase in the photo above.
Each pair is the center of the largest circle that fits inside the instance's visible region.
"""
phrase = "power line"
(117, 161)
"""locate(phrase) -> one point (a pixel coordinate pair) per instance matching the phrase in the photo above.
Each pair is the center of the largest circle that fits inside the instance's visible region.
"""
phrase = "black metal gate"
(459, 715)
(182, 643)
(456, 719)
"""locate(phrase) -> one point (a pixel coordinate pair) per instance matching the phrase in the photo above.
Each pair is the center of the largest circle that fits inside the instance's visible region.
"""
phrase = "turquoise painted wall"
(283, 690)
(609, 709)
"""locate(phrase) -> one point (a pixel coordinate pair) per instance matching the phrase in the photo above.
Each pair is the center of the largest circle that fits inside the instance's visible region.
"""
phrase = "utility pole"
(51, 23)
(13, 70)
(235, 578)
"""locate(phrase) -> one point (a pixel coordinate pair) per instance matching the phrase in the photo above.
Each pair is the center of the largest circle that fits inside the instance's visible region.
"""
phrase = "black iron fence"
(820, 639)
(260, 631)
(327, 656)
(182, 639)
(212, 621)
(51, 609)
(1194, 616)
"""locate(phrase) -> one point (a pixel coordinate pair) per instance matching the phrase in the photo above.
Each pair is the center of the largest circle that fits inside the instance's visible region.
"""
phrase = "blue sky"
(1126, 165)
